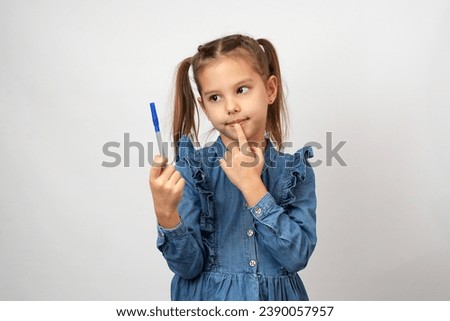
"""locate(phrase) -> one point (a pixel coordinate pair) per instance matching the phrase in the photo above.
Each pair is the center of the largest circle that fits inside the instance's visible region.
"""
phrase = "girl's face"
(233, 92)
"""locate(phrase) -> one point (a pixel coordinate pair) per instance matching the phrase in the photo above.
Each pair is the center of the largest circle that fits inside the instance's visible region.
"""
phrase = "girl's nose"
(232, 107)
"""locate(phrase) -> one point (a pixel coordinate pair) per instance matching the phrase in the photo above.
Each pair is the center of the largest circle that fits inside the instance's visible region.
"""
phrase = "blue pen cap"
(154, 116)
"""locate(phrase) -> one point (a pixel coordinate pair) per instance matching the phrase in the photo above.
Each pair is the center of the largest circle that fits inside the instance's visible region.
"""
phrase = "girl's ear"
(200, 102)
(271, 88)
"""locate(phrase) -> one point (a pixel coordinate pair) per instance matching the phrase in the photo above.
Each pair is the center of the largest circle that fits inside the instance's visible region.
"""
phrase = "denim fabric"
(225, 250)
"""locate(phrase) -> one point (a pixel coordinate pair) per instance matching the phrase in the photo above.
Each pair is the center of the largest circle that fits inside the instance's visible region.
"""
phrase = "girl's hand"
(167, 186)
(243, 165)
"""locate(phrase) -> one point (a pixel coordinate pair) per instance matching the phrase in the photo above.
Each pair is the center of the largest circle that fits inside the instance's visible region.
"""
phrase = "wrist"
(254, 192)
(169, 221)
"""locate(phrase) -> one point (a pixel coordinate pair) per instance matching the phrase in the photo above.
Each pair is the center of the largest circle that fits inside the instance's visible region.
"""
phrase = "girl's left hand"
(243, 165)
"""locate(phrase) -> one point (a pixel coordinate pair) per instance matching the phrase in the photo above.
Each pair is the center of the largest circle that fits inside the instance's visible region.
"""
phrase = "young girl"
(236, 220)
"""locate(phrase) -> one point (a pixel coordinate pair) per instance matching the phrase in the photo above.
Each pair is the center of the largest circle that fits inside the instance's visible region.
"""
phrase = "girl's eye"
(214, 98)
(242, 90)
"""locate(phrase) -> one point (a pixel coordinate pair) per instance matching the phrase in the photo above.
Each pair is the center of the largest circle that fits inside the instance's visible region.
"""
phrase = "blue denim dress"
(225, 250)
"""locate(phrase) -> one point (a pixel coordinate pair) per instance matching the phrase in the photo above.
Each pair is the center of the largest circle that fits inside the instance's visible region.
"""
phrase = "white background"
(75, 75)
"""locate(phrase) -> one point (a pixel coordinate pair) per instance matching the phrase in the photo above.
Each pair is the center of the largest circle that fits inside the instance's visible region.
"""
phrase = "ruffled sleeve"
(190, 164)
(288, 229)
(295, 173)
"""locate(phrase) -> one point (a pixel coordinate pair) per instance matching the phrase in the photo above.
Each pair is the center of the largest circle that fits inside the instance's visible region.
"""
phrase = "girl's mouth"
(237, 121)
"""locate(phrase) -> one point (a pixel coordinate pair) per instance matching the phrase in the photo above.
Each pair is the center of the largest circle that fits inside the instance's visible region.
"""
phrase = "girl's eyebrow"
(243, 82)
(246, 80)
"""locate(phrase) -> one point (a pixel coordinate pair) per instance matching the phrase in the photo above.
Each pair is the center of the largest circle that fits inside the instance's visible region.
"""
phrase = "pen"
(161, 146)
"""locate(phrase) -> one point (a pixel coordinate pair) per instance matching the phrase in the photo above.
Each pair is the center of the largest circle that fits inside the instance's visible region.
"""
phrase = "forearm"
(289, 236)
(182, 252)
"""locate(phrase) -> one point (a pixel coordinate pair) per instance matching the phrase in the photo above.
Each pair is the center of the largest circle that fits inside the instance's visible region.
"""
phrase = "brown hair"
(263, 57)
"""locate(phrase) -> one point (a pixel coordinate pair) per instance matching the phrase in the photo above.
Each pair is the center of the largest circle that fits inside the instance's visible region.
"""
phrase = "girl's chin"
(227, 138)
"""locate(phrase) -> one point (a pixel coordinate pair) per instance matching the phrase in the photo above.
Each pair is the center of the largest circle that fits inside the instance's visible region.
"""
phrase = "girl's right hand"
(167, 186)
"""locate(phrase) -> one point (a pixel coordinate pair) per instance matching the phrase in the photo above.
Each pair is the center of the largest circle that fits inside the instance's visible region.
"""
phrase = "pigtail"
(277, 117)
(185, 107)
